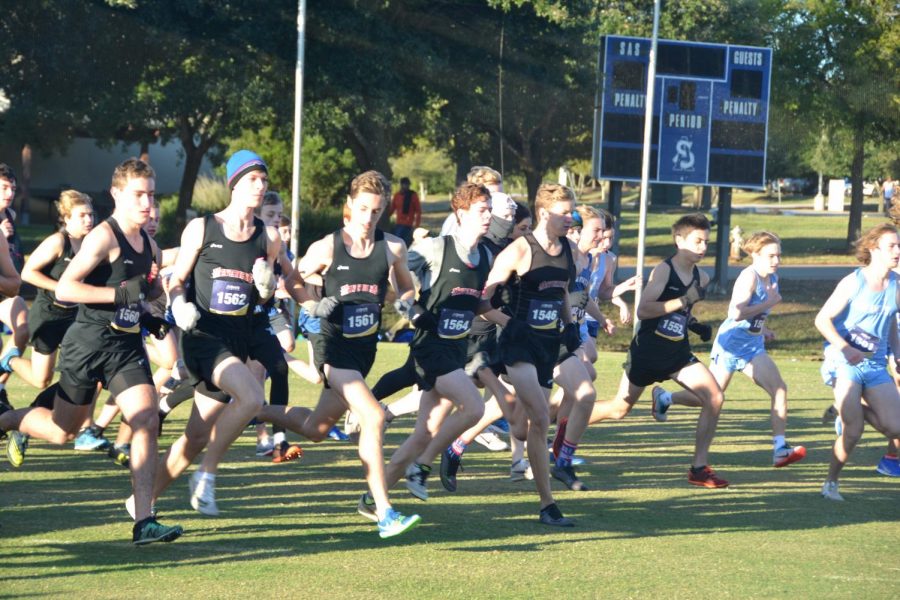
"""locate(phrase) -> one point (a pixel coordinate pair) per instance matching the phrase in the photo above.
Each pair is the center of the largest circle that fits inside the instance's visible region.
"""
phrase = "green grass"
(292, 530)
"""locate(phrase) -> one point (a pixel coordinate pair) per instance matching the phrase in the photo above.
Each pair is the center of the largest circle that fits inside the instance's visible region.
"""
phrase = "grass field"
(292, 530)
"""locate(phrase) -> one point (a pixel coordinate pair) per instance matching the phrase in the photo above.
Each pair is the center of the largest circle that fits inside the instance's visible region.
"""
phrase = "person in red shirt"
(407, 210)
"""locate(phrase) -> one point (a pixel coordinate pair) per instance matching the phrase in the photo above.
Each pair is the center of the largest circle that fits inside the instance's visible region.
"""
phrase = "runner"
(858, 322)
(354, 262)
(13, 310)
(661, 349)
(113, 272)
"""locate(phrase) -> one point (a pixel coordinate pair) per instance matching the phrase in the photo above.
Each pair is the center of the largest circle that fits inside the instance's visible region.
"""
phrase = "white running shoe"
(416, 480)
(660, 405)
(491, 441)
(830, 491)
(265, 448)
(203, 495)
(521, 470)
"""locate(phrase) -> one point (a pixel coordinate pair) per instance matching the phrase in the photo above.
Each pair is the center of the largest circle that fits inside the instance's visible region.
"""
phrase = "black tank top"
(116, 328)
(222, 279)
(15, 244)
(538, 295)
(360, 284)
(671, 328)
(46, 299)
(454, 296)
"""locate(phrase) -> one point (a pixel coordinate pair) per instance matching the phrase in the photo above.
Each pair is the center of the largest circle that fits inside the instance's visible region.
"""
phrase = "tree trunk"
(533, 182)
(854, 226)
(25, 186)
(193, 158)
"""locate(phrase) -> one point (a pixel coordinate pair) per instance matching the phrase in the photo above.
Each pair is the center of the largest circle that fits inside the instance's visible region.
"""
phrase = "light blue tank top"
(737, 337)
(866, 321)
(596, 279)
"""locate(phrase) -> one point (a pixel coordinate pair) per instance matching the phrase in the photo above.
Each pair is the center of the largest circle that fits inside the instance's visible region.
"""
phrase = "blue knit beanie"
(241, 163)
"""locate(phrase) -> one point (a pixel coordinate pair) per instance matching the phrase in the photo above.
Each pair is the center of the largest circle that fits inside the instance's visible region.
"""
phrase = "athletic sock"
(204, 476)
(778, 441)
(279, 437)
(890, 456)
(458, 447)
(164, 407)
(566, 453)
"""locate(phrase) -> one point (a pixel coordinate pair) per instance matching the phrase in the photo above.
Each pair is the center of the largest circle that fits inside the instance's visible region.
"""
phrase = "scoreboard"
(710, 112)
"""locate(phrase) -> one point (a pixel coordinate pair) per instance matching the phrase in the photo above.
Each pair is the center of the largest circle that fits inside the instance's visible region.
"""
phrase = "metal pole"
(298, 137)
(645, 163)
(719, 283)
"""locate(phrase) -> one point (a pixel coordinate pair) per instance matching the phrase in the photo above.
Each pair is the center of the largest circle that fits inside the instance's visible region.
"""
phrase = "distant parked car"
(869, 188)
(790, 185)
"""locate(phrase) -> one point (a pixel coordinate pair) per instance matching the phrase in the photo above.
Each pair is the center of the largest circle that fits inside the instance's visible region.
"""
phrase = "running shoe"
(12, 353)
(203, 495)
(889, 465)
(500, 426)
(285, 452)
(337, 435)
(16, 447)
(351, 424)
(129, 506)
(551, 515)
(121, 455)
(660, 406)
(838, 426)
(577, 461)
(366, 508)
(829, 415)
(416, 479)
(830, 491)
(149, 531)
(265, 448)
(394, 523)
(87, 440)
(568, 477)
(162, 419)
(706, 477)
(491, 441)
(786, 455)
(521, 470)
(451, 462)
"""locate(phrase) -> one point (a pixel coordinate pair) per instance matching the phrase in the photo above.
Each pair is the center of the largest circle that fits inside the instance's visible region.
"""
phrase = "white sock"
(778, 441)
(279, 437)
(164, 406)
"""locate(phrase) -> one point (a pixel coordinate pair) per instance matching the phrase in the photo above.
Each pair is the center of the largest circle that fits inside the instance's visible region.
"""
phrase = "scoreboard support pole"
(719, 283)
(615, 208)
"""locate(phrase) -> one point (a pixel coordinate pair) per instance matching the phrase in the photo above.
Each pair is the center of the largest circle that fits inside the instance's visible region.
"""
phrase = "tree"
(840, 62)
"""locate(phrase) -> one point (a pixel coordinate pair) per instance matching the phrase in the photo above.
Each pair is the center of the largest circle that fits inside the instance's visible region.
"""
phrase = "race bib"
(454, 324)
(544, 314)
(863, 341)
(756, 325)
(361, 319)
(578, 314)
(231, 298)
(672, 326)
(127, 319)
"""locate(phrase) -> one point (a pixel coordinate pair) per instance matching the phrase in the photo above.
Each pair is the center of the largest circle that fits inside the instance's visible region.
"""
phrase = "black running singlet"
(117, 327)
(14, 242)
(222, 279)
(45, 300)
(671, 327)
(360, 284)
(539, 294)
(454, 295)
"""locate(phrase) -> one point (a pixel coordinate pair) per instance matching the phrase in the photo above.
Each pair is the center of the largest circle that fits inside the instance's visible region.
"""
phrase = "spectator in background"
(407, 211)
(888, 189)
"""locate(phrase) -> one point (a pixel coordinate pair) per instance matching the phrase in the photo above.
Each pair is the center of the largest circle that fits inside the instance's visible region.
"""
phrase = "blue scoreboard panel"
(710, 112)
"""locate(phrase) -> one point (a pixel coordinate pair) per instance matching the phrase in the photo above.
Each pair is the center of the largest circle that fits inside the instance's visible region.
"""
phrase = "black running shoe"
(567, 476)
(550, 515)
(149, 531)
(450, 464)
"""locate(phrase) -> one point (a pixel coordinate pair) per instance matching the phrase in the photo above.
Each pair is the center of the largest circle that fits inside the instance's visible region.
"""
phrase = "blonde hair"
(869, 241)
(484, 176)
(68, 201)
(587, 213)
(370, 182)
(757, 240)
(551, 193)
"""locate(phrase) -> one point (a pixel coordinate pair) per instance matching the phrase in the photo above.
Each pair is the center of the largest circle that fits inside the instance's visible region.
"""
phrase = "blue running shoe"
(12, 353)
(501, 425)
(394, 523)
(87, 440)
(889, 465)
(577, 461)
(338, 435)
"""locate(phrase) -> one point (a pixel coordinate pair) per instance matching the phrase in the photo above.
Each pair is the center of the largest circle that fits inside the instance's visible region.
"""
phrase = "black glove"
(502, 296)
(515, 332)
(701, 329)
(422, 319)
(132, 290)
(571, 337)
(694, 294)
(325, 307)
(157, 327)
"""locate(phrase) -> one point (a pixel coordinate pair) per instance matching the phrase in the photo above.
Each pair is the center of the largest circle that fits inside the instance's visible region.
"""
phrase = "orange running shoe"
(787, 455)
(285, 452)
(706, 477)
